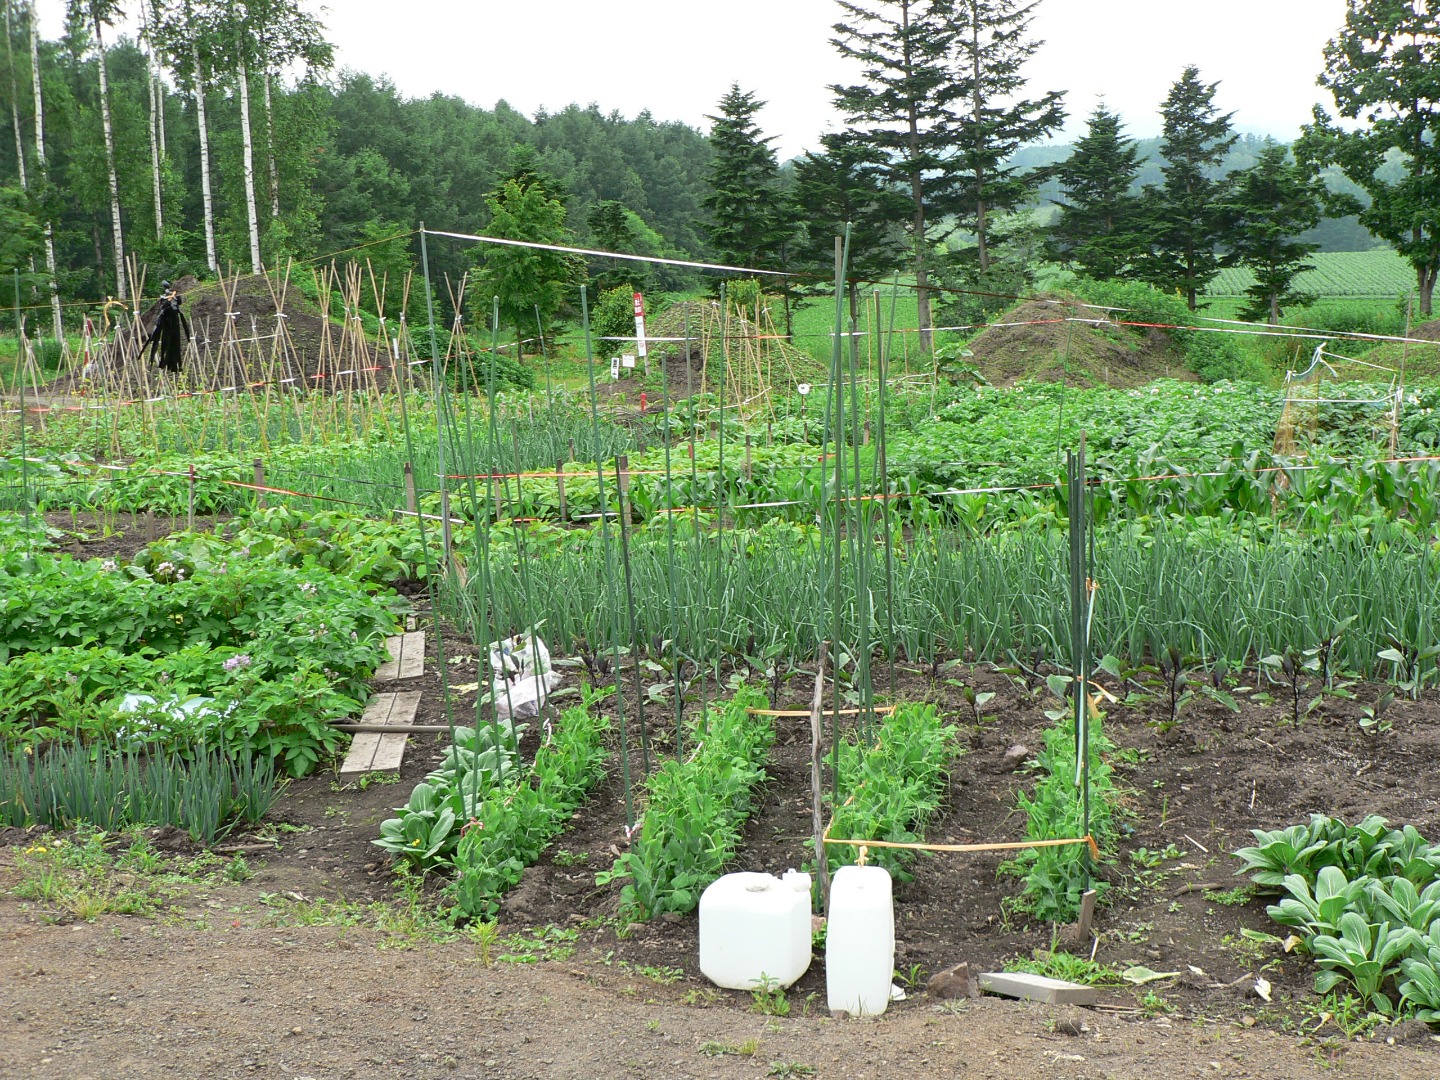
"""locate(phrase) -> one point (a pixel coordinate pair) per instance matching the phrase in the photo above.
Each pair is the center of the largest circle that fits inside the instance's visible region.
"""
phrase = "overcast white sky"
(677, 57)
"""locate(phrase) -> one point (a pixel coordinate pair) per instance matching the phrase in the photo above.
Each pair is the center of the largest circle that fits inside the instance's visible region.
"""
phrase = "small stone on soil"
(953, 982)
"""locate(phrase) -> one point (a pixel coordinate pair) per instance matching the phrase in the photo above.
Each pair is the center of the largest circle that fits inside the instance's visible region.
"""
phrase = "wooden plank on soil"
(1018, 984)
(373, 751)
(407, 657)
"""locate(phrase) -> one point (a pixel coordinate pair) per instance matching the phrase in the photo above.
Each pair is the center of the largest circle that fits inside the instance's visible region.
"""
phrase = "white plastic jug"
(860, 941)
(755, 928)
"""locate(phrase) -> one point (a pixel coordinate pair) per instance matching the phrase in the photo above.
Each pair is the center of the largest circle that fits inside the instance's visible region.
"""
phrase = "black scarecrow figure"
(165, 341)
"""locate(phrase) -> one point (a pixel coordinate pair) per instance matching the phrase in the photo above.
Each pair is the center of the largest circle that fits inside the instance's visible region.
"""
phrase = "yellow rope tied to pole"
(864, 845)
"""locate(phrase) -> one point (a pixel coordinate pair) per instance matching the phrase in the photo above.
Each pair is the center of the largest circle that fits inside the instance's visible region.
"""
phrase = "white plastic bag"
(522, 698)
(523, 654)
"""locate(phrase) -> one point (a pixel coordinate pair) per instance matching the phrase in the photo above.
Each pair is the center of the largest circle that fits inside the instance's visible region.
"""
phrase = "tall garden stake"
(611, 603)
(1081, 611)
(445, 556)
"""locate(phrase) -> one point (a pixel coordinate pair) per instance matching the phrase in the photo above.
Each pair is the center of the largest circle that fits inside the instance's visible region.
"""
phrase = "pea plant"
(890, 786)
(695, 809)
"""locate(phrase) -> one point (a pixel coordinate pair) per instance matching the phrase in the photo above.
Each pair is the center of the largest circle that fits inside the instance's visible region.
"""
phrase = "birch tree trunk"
(157, 103)
(15, 102)
(206, 199)
(118, 234)
(56, 313)
(270, 151)
(249, 145)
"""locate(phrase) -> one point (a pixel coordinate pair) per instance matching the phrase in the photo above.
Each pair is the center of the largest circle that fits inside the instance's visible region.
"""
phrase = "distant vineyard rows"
(1337, 273)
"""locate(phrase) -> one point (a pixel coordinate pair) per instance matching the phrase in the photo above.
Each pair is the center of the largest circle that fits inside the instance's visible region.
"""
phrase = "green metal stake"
(720, 510)
(695, 646)
(837, 393)
(883, 468)
(634, 628)
(610, 600)
(676, 657)
(435, 371)
(24, 453)
(860, 545)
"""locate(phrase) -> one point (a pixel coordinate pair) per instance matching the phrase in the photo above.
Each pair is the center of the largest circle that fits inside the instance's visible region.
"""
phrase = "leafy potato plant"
(283, 650)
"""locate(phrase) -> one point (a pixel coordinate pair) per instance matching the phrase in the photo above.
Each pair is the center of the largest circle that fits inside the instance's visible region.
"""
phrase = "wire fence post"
(190, 501)
(622, 482)
(259, 484)
(412, 504)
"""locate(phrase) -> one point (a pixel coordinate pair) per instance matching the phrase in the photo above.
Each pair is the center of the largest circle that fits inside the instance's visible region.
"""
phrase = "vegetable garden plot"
(1218, 565)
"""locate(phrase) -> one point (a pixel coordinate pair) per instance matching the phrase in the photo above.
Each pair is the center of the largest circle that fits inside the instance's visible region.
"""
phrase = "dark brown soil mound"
(1429, 331)
(1044, 341)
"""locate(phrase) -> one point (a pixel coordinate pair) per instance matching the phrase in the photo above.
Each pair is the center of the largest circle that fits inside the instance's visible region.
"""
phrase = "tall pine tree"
(1095, 230)
(992, 117)
(899, 111)
(847, 185)
(747, 226)
(1182, 215)
(1270, 204)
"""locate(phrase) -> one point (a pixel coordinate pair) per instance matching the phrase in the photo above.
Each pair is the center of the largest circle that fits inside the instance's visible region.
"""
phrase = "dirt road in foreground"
(135, 999)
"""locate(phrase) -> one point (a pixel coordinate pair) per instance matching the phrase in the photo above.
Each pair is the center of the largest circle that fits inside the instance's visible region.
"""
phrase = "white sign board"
(639, 326)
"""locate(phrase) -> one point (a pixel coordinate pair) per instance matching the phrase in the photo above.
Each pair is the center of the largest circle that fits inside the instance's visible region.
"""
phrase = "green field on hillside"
(1381, 272)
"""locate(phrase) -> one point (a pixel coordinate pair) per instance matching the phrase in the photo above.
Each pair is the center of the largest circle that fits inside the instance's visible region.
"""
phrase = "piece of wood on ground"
(407, 657)
(1019, 984)
(373, 751)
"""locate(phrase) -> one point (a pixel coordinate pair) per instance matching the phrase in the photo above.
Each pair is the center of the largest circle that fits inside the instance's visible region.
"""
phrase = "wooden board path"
(407, 657)
(373, 751)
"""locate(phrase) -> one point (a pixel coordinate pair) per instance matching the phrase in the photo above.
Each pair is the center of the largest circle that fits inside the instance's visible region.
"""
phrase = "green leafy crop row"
(695, 810)
(1365, 900)
(890, 787)
(1056, 877)
(250, 648)
(481, 819)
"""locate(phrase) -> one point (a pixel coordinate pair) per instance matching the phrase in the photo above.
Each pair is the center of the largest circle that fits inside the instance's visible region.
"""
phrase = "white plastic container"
(860, 941)
(755, 927)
